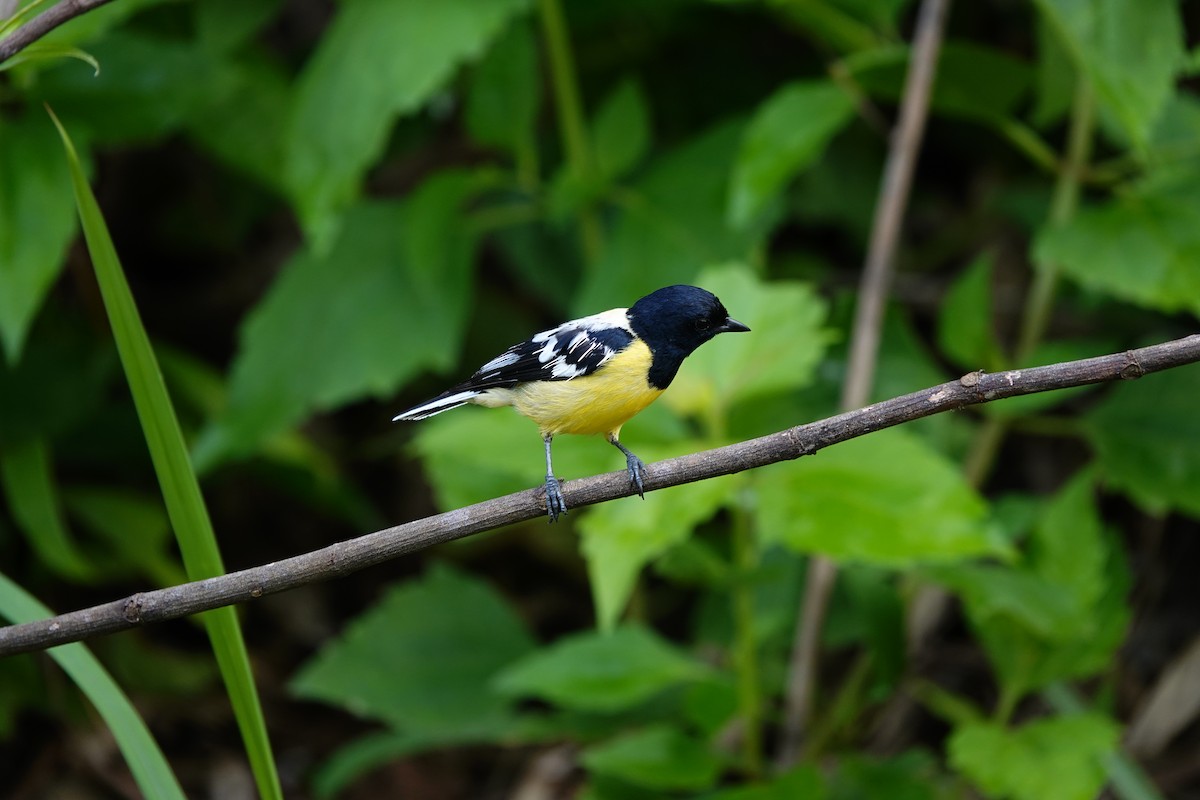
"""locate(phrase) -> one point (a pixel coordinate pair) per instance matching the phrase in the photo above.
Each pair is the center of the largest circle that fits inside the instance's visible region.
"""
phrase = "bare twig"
(43, 23)
(864, 346)
(350, 556)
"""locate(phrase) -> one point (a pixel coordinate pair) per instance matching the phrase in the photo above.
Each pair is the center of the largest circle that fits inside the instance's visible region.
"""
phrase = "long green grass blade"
(146, 761)
(180, 489)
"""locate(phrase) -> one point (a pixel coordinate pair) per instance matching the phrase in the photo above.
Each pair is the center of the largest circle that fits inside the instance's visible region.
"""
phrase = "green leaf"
(621, 134)
(1129, 49)
(1063, 614)
(1049, 759)
(422, 659)
(32, 495)
(601, 672)
(378, 60)
(40, 51)
(502, 103)
(146, 761)
(886, 498)
(362, 755)
(180, 489)
(659, 757)
(788, 132)
(621, 537)
(1145, 433)
(223, 25)
(37, 222)
(965, 331)
(909, 776)
(672, 221)
(780, 353)
(134, 529)
(1141, 247)
(386, 302)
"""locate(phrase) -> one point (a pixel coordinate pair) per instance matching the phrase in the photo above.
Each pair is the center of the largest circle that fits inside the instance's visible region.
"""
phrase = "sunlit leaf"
(622, 130)
(660, 757)
(601, 672)
(1048, 759)
(788, 132)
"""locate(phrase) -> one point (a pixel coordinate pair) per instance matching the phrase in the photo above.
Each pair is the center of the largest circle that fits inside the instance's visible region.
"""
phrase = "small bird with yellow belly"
(592, 374)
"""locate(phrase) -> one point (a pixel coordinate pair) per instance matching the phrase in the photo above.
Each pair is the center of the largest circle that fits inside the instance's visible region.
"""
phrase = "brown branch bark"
(873, 289)
(350, 556)
(43, 23)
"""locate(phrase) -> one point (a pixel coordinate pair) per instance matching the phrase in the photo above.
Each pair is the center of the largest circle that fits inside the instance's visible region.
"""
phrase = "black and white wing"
(571, 350)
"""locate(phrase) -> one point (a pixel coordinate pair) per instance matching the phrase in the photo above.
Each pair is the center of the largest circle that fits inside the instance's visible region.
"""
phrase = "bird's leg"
(555, 504)
(637, 470)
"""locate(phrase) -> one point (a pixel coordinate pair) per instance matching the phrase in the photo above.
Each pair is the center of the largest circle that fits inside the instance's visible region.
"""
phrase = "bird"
(591, 375)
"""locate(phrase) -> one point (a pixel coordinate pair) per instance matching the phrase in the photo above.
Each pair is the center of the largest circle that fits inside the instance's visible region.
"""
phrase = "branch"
(350, 556)
(43, 23)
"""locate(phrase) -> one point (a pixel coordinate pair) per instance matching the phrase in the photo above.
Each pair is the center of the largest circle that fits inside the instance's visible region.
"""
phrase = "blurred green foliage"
(328, 211)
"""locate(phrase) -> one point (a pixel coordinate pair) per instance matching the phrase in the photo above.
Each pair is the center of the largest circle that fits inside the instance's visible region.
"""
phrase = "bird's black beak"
(731, 325)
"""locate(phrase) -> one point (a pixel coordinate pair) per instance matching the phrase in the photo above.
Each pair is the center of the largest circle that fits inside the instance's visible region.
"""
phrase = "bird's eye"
(703, 324)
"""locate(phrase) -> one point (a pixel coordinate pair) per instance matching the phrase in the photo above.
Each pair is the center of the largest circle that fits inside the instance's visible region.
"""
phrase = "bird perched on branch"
(591, 375)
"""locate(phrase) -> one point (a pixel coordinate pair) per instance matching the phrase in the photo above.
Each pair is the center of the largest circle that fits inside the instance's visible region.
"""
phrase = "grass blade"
(146, 761)
(180, 489)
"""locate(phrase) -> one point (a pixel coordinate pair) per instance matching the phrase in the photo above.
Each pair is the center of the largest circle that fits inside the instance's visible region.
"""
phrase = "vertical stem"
(572, 127)
(745, 656)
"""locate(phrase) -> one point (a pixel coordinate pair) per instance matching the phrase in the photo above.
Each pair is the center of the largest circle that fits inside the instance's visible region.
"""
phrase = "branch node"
(972, 379)
(1133, 369)
(133, 609)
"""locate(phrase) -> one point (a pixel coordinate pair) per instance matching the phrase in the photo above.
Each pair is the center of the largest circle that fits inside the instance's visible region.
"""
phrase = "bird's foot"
(556, 505)
(637, 472)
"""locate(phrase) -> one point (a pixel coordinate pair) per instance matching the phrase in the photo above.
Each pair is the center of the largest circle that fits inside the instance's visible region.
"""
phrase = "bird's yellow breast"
(598, 403)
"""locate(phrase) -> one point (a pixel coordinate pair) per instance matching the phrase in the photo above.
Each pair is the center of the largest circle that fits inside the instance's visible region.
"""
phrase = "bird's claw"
(637, 472)
(556, 504)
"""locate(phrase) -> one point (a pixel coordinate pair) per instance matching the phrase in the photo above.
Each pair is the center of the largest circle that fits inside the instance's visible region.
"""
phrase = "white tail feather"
(437, 406)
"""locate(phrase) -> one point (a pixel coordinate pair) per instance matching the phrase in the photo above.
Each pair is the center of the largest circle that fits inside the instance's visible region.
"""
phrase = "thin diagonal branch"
(864, 346)
(43, 23)
(350, 556)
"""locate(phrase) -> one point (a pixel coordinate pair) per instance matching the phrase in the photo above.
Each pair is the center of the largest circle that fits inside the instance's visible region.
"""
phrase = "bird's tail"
(443, 402)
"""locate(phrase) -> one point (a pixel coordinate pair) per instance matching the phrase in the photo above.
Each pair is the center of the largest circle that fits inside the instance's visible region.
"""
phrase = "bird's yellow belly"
(598, 403)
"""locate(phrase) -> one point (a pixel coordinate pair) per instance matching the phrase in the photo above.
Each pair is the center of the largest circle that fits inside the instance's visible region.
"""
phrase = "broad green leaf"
(180, 489)
(146, 761)
(1141, 247)
(788, 132)
(147, 87)
(1129, 49)
(973, 82)
(802, 782)
(966, 332)
(781, 351)
(671, 222)
(378, 60)
(1063, 614)
(387, 301)
(502, 102)
(601, 672)
(422, 658)
(621, 132)
(887, 498)
(374, 750)
(37, 221)
(475, 454)
(659, 757)
(1145, 435)
(1059, 758)
(621, 537)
